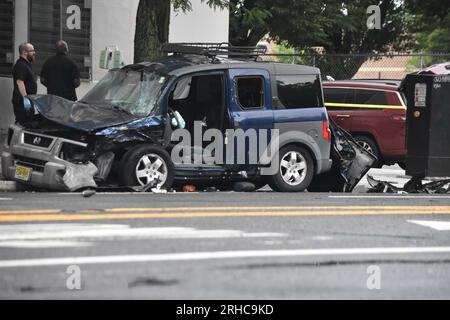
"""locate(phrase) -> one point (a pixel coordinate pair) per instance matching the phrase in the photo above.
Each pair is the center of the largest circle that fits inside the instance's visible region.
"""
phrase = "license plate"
(22, 173)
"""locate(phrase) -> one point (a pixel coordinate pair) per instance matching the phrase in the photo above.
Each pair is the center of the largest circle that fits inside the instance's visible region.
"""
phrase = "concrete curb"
(9, 186)
(397, 177)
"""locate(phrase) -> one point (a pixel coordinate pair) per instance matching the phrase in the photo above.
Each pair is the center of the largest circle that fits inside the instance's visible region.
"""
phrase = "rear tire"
(146, 164)
(295, 170)
(370, 145)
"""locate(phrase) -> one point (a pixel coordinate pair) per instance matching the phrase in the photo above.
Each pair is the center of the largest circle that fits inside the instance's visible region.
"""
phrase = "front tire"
(147, 164)
(295, 170)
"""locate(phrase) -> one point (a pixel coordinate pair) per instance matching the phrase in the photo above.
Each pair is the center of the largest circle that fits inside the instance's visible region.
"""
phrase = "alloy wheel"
(293, 168)
(151, 168)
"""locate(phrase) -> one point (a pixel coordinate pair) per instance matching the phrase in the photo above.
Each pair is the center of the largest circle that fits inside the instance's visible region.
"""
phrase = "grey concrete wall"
(6, 110)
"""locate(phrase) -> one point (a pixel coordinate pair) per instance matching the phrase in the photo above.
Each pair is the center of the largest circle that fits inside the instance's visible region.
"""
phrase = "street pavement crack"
(151, 282)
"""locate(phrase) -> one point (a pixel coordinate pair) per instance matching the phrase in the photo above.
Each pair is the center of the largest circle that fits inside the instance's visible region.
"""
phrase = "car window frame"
(280, 105)
(236, 88)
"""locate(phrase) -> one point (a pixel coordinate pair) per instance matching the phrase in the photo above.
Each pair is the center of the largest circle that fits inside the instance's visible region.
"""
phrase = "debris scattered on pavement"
(79, 176)
(189, 188)
(158, 189)
(412, 186)
(378, 186)
(88, 193)
(244, 186)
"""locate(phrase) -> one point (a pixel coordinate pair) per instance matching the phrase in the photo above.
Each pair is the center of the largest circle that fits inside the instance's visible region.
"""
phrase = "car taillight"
(326, 133)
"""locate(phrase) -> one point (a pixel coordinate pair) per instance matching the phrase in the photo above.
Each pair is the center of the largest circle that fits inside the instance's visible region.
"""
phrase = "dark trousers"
(19, 112)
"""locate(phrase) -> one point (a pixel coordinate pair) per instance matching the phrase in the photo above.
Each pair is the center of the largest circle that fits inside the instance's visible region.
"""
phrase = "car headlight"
(74, 153)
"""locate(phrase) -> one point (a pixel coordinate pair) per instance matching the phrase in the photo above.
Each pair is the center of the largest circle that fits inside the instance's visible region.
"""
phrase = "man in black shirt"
(60, 74)
(24, 79)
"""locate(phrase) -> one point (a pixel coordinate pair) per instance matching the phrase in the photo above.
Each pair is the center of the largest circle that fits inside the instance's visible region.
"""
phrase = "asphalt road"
(260, 245)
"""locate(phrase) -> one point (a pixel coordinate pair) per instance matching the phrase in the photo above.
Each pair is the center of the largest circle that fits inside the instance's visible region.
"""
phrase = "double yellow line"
(215, 212)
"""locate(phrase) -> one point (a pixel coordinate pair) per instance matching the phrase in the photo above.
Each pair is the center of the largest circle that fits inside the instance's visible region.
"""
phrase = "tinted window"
(250, 92)
(338, 95)
(370, 97)
(299, 91)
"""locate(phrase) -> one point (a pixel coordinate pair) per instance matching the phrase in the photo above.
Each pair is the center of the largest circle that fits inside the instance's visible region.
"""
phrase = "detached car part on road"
(121, 132)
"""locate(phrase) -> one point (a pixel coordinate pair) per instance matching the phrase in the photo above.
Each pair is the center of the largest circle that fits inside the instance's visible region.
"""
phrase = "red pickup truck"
(373, 112)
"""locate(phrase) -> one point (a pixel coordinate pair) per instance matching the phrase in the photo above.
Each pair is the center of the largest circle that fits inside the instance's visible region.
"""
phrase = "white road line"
(191, 256)
(5, 199)
(436, 225)
(106, 232)
(25, 228)
(391, 197)
(38, 244)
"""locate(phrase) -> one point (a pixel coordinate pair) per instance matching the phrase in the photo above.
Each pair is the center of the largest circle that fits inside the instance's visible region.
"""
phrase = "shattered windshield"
(133, 92)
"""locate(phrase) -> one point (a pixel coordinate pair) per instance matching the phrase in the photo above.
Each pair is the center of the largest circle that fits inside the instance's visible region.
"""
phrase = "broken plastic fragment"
(189, 188)
(79, 176)
(381, 186)
(412, 186)
(104, 164)
(158, 189)
(88, 193)
(244, 186)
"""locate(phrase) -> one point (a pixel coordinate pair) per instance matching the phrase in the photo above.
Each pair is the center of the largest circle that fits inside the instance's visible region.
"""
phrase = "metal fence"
(365, 66)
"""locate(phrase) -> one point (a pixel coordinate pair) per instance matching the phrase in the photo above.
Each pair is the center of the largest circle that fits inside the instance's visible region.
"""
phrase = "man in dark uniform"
(60, 74)
(24, 79)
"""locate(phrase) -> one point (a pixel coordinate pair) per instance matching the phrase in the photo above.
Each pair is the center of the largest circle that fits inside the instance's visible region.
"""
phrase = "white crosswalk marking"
(60, 235)
(436, 225)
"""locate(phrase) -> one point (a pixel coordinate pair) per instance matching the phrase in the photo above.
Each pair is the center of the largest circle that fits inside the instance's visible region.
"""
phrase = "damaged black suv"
(121, 133)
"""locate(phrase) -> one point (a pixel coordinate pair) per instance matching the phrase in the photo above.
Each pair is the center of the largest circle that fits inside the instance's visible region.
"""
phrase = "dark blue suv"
(202, 114)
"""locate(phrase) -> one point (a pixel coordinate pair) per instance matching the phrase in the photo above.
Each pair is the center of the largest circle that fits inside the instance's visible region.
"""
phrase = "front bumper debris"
(350, 163)
(40, 154)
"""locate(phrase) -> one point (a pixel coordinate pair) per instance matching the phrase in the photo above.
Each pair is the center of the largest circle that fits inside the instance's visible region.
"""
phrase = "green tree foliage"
(152, 24)
(339, 26)
(431, 24)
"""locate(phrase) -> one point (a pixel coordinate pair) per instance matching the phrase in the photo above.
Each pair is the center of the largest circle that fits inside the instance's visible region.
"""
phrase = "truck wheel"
(370, 145)
(295, 170)
(146, 164)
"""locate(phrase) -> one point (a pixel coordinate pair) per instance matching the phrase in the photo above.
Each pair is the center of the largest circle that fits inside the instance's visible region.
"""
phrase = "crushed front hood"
(81, 116)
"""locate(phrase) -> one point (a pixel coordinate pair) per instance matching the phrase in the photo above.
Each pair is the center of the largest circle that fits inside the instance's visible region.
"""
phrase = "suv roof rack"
(213, 50)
